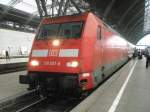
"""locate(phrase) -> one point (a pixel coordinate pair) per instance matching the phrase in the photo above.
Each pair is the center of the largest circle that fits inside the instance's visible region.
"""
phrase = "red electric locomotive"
(74, 53)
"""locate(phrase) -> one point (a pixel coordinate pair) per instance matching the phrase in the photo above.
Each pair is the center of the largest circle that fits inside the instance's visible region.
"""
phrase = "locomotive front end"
(55, 59)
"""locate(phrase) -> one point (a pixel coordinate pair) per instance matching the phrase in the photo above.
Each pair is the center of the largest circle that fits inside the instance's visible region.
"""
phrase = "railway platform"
(9, 85)
(128, 90)
(13, 60)
(13, 64)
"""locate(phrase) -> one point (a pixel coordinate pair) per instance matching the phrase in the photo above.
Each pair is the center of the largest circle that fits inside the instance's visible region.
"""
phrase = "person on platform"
(135, 53)
(147, 55)
(7, 55)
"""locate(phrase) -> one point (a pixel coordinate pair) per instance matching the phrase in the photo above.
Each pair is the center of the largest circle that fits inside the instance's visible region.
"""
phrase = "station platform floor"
(128, 90)
(9, 85)
(13, 60)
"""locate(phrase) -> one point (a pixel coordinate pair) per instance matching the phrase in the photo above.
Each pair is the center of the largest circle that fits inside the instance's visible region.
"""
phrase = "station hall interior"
(74, 55)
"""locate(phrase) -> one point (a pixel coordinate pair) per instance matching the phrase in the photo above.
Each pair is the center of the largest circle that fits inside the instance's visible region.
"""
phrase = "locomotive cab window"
(64, 30)
(71, 30)
(98, 33)
(48, 30)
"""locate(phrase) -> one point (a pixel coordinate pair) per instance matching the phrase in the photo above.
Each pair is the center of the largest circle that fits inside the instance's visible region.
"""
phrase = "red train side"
(74, 53)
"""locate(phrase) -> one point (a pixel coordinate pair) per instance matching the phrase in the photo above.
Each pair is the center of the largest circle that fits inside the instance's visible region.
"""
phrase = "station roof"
(128, 17)
(9, 13)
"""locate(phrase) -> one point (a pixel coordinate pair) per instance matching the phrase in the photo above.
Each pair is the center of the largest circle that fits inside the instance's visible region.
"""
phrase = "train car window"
(99, 33)
(64, 30)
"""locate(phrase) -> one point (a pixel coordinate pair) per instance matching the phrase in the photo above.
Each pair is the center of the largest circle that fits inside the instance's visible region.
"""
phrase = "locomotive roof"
(76, 17)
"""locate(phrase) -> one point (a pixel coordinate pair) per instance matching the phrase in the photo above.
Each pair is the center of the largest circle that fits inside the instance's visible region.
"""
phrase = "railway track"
(16, 102)
(51, 105)
(31, 105)
(33, 102)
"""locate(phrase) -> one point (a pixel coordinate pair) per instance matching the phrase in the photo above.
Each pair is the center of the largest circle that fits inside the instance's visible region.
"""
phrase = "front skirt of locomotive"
(57, 81)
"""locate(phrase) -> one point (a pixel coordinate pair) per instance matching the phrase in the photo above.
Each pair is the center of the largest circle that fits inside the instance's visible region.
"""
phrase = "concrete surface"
(9, 85)
(136, 97)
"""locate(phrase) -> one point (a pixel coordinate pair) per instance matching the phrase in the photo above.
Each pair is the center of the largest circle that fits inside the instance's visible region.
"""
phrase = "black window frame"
(60, 24)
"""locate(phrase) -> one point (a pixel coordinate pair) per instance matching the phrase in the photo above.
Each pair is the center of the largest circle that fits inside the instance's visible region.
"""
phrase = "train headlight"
(56, 42)
(34, 63)
(73, 64)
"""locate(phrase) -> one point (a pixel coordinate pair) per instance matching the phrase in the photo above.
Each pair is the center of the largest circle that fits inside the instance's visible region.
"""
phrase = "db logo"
(53, 52)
